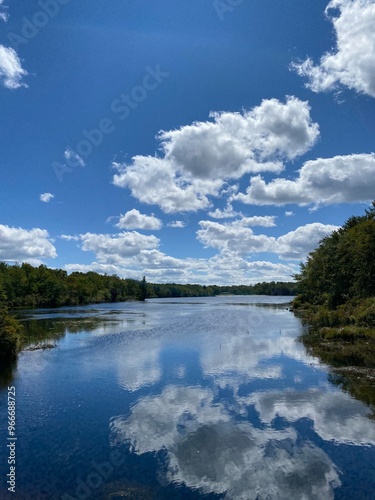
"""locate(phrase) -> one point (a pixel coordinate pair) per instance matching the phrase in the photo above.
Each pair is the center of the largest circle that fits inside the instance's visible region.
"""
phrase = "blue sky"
(205, 141)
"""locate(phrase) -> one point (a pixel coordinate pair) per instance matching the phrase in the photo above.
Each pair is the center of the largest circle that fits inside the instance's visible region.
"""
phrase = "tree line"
(337, 282)
(28, 286)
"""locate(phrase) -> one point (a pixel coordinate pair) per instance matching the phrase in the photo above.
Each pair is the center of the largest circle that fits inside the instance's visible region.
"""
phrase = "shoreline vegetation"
(336, 302)
(25, 286)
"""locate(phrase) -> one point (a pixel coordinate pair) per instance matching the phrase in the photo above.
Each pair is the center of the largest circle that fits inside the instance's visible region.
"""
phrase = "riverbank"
(349, 327)
(350, 356)
(9, 335)
(337, 290)
(344, 339)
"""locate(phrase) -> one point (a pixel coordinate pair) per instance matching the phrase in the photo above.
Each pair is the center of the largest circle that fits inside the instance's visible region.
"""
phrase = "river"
(181, 399)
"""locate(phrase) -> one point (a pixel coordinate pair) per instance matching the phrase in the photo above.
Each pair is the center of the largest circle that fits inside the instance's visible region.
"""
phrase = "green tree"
(9, 338)
(143, 288)
(342, 268)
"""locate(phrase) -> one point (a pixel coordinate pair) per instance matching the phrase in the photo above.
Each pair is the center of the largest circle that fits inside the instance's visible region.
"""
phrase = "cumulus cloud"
(131, 254)
(17, 244)
(230, 267)
(46, 197)
(352, 62)
(133, 219)
(236, 237)
(295, 245)
(227, 213)
(225, 268)
(197, 159)
(177, 224)
(288, 214)
(233, 237)
(154, 181)
(341, 179)
(69, 237)
(258, 220)
(113, 248)
(11, 71)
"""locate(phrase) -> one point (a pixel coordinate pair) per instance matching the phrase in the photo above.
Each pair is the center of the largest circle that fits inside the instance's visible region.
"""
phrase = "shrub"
(9, 339)
(365, 313)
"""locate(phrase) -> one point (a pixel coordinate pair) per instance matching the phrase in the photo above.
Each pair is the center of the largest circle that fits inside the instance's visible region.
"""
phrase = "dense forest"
(337, 283)
(28, 286)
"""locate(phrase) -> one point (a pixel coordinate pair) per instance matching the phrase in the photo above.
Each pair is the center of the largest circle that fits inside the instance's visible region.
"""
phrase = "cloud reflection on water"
(209, 450)
(210, 441)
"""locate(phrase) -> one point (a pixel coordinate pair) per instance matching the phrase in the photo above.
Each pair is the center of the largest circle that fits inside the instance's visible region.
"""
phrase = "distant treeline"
(28, 286)
(174, 290)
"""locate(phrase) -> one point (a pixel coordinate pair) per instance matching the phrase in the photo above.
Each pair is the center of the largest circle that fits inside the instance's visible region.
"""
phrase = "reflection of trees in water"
(352, 381)
(8, 369)
(36, 332)
(40, 330)
(253, 305)
(353, 365)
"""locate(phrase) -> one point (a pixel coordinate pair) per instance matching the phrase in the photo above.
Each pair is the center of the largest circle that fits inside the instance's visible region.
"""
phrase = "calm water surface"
(182, 399)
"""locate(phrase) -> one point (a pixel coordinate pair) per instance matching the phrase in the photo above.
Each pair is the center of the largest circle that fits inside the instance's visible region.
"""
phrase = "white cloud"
(113, 248)
(227, 213)
(154, 181)
(297, 244)
(11, 71)
(229, 267)
(224, 268)
(133, 219)
(69, 237)
(176, 224)
(4, 16)
(352, 63)
(288, 214)
(257, 220)
(236, 238)
(46, 197)
(154, 259)
(17, 244)
(341, 179)
(197, 159)
(131, 254)
(233, 237)
(73, 158)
